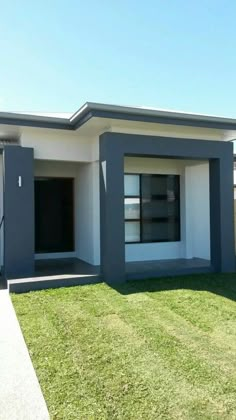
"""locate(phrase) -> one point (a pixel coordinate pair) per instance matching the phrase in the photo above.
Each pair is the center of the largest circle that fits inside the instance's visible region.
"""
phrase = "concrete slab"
(74, 272)
(20, 393)
(164, 268)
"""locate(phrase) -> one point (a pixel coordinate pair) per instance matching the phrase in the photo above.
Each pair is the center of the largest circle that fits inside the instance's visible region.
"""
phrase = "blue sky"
(178, 54)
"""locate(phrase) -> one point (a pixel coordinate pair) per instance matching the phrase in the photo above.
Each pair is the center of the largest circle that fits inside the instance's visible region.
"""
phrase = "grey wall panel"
(166, 147)
(18, 211)
(113, 148)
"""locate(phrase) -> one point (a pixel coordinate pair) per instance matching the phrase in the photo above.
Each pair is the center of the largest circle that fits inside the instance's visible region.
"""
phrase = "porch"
(72, 272)
(174, 218)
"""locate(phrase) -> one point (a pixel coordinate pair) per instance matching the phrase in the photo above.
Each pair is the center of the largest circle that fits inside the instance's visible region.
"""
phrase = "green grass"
(160, 349)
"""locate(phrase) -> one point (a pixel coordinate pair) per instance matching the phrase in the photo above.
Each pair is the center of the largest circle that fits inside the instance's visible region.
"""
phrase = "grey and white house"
(116, 188)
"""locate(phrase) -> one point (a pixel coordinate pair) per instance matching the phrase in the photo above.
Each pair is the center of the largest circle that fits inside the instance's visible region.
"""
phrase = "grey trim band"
(113, 148)
(37, 122)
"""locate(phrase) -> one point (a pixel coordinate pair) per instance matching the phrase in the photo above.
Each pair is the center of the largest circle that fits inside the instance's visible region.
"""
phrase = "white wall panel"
(58, 145)
(197, 211)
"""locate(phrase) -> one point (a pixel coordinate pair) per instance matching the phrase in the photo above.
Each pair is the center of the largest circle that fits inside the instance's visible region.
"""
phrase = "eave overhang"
(90, 110)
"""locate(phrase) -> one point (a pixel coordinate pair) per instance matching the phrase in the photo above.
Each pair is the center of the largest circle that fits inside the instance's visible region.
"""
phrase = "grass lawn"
(160, 349)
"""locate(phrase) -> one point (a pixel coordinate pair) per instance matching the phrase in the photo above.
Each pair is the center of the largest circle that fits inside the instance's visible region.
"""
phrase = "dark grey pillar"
(112, 212)
(222, 213)
(18, 199)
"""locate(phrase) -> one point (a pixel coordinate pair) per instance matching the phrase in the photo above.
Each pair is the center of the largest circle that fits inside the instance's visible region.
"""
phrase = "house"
(117, 187)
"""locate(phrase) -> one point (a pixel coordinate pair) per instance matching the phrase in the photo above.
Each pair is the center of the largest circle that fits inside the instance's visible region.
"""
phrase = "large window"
(152, 208)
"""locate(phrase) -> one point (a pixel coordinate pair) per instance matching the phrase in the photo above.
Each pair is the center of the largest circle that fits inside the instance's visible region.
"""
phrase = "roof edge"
(99, 110)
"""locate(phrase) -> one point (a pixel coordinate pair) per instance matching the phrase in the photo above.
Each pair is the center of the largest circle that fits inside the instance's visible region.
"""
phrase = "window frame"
(151, 220)
(140, 208)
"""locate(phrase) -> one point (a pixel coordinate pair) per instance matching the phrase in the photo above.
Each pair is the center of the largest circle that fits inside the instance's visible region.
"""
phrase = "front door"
(54, 215)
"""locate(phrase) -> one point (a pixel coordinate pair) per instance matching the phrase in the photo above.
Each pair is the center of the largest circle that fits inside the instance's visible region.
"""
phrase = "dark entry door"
(54, 215)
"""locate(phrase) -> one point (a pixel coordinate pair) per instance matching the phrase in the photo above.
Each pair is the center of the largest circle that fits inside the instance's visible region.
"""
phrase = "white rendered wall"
(88, 227)
(48, 168)
(197, 211)
(58, 145)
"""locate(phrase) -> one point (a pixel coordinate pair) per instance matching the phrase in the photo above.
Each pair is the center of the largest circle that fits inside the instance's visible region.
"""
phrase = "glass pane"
(161, 231)
(132, 231)
(160, 185)
(132, 185)
(152, 209)
(132, 208)
(160, 208)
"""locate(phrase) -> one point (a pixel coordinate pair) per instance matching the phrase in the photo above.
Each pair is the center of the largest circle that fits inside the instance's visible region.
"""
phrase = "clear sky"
(176, 54)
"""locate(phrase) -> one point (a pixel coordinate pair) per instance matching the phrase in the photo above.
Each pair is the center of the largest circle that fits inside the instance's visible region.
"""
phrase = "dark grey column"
(215, 219)
(18, 199)
(112, 242)
(222, 213)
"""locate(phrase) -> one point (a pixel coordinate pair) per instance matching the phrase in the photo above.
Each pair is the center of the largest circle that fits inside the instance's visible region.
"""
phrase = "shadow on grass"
(220, 284)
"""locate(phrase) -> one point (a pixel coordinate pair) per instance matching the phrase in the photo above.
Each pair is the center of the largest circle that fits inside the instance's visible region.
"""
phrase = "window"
(152, 208)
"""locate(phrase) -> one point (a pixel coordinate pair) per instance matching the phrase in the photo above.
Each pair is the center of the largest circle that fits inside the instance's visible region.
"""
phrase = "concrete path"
(20, 394)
